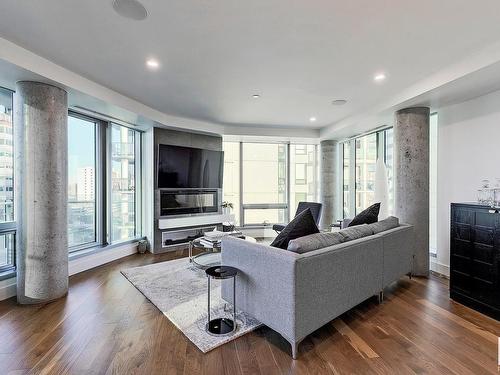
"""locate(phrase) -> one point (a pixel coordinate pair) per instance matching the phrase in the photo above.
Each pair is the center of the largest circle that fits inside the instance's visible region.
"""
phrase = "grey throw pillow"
(314, 241)
(355, 232)
(386, 224)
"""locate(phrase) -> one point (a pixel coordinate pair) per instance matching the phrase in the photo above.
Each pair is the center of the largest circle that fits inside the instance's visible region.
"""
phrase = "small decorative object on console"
(489, 195)
(226, 207)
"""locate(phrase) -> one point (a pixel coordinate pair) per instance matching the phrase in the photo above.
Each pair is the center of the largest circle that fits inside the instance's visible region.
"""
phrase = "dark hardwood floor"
(105, 325)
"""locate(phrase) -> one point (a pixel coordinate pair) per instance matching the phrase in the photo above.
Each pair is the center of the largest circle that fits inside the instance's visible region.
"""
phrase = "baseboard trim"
(8, 286)
(98, 259)
(440, 268)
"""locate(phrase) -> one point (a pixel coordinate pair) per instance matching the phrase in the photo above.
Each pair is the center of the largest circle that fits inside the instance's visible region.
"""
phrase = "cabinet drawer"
(461, 281)
(461, 247)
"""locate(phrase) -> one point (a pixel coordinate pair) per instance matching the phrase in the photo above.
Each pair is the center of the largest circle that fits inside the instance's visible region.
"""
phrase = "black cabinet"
(474, 257)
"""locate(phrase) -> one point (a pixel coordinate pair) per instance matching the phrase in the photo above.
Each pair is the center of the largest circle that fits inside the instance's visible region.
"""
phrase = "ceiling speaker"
(131, 9)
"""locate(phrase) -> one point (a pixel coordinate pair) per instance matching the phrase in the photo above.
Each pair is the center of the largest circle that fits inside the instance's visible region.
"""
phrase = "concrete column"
(41, 117)
(328, 182)
(411, 173)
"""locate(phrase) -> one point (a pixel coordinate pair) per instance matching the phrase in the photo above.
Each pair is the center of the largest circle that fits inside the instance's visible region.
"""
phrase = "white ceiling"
(299, 55)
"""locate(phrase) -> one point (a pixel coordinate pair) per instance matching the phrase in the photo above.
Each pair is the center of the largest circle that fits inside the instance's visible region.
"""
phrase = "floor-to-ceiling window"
(82, 208)
(302, 175)
(231, 182)
(123, 183)
(7, 220)
(433, 164)
(359, 167)
(388, 150)
(266, 181)
(103, 182)
(366, 162)
(346, 178)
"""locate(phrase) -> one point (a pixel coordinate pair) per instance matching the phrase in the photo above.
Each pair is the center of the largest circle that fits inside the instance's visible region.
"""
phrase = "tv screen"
(188, 167)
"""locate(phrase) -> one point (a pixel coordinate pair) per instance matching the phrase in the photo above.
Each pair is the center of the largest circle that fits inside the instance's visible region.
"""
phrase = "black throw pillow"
(368, 216)
(302, 225)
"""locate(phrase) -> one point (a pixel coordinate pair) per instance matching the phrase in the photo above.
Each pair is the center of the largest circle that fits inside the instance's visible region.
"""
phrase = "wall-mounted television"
(189, 168)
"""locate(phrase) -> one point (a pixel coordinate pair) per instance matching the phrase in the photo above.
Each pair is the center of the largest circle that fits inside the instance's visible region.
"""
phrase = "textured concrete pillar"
(411, 173)
(41, 117)
(328, 180)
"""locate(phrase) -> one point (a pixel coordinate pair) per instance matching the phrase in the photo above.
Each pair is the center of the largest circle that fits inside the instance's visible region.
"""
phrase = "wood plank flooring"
(106, 326)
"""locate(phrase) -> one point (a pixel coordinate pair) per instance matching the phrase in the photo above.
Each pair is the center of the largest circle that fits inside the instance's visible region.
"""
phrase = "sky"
(81, 146)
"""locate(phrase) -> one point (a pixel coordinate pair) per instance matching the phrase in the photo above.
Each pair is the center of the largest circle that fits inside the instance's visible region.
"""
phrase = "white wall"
(468, 152)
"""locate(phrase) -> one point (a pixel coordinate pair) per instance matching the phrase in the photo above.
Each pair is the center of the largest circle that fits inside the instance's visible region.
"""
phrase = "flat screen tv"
(188, 168)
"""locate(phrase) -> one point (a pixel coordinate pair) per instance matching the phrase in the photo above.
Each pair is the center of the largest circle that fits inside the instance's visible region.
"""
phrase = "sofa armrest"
(399, 249)
(265, 285)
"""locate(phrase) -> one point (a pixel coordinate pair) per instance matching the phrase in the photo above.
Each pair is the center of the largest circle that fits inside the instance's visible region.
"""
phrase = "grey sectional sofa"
(295, 294)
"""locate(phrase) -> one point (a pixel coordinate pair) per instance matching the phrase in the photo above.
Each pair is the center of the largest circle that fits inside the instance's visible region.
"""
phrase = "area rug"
(179, 291)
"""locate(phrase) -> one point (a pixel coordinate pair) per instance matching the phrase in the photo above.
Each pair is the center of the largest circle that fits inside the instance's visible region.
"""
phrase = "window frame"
(286, 206)
(10, 227)
(137, 183)
(100, 183)
(103, 149)
(381, 149)
(265, 206)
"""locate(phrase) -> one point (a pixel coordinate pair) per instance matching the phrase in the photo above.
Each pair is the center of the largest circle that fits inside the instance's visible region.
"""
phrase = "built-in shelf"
(193, 221)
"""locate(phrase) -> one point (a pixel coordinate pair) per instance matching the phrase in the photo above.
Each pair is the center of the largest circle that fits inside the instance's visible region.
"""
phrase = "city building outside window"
(7, 219)
(264, 177)
(103, 166)
(303, 178)
(82, 210)
(346, 162)
(266, 181)
(123, 183)
(231, 182)
(359, 164)
(366, 161)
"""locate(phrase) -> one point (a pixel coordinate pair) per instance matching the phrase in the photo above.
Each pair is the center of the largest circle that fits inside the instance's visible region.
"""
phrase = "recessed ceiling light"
(256, 96)
(339, 102)
(312, 119)
(131, 9)
(379, 77)
(152, 64)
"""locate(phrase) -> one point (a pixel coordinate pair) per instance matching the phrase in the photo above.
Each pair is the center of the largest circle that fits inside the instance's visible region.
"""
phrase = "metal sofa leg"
(410, 275)
(380, 296)
(295, 349)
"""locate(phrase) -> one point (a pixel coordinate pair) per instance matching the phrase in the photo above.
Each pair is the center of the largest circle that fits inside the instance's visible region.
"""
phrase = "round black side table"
(222, 326)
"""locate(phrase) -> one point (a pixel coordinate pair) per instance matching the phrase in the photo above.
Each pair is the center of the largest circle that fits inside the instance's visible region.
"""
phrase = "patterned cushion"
(353, 233)
(302, 225)
(314, 242)
(386, 224)
(368, 216)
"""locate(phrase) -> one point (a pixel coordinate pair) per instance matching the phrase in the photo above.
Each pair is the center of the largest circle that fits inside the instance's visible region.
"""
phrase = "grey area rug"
(179, 291)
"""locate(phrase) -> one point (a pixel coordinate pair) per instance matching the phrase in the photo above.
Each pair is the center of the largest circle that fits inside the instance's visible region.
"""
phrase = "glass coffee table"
(210, 254)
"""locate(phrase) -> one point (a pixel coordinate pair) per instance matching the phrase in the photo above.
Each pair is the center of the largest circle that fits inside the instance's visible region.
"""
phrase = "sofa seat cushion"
(381, 226)
(302, 225)
(314, 241)
(368, 216)
(355, 232)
